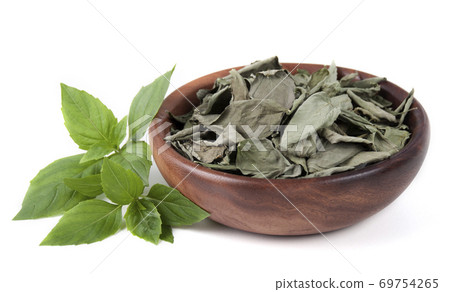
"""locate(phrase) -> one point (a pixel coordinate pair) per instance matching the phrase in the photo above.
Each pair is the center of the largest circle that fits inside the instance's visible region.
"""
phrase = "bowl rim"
(368, 170)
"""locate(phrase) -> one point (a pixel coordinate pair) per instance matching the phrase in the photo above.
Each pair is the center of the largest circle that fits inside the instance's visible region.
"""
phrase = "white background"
(43, 43)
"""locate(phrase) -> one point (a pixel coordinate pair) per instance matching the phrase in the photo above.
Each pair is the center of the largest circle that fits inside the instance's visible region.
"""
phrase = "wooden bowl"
(290, 206)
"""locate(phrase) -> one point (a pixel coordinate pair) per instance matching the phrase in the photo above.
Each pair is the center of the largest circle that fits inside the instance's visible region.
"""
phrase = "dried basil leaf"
(365, 157)
(184, 134)
(198, 118)
(202, 93)
(332, 76)
(263, 121)
(364, 93)
(372, 108)
(258, 66)
(342, 101)
(228, 136)
(363, 112)
(329, 171)
(352, 118)
(395, 136)
(207, 154)
(259, 158)
(332, 89)
(405, 106)
(349, 79)
(301, 78)
(333, 155)
(317, 79)
(215, 103)
(274, 85)
(299, 100)
(252, 116)
(334, 137)
(368, 82)
(180, 146)
(316, 113)
(383, 144)
(255, 67)
(220, 166)
(181, 118)
(238, 86)
(380, 101)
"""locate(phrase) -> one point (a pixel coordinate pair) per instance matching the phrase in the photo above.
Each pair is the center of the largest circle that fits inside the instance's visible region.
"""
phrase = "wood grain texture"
(324, 204)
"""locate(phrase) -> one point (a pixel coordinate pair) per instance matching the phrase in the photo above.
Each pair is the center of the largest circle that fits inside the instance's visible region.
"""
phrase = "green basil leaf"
(120, 185)
(135, 156)
(89, 186)
(87, 119)
(96, 152)
(138, 148)
(143, 220)
(88, 222)
(146, 104)
(175, 209)
(47, 195)
(120, 131)
(166, 233)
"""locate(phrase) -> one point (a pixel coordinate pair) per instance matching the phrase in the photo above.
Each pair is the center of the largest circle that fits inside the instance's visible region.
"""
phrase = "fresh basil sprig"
(71, 186)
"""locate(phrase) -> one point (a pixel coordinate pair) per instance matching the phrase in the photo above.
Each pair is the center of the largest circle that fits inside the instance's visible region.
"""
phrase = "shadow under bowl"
(290, 206)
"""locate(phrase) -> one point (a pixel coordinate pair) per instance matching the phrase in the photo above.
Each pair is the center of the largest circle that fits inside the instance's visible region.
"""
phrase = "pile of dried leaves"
(262, 121)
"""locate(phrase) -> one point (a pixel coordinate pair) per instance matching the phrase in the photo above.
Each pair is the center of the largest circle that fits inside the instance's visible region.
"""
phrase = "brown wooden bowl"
(291, 206)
